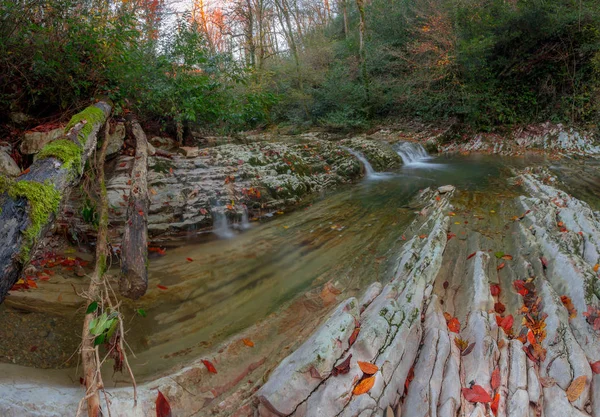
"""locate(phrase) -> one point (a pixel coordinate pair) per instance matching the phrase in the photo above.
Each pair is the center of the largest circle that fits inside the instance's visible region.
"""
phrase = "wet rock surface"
(528, 250)
(196, 189)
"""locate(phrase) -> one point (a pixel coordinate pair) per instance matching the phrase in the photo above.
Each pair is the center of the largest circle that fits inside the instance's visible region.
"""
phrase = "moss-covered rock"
(379, 154)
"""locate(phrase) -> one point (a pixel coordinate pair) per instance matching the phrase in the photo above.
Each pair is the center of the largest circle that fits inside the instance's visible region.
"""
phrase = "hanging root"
(103, 322)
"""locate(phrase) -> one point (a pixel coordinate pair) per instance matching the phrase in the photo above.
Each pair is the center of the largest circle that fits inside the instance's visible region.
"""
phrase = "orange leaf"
(507, 257)
(454, 325)
(211, 368)
(422, 236)
(353, 336)
(248, 342)
(163, 409)
(495, 381)
(531, 337)
(495, 403)
(576, 388)
(367, 368)
(364, 386)
(502, 265)
(31, 284)
(476, 394)
(560, 224)
(596, 267)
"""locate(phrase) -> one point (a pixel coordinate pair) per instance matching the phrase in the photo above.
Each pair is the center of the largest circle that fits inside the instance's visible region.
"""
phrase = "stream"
(208, 289)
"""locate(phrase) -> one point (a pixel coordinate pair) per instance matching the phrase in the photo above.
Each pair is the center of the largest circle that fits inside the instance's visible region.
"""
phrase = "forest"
(339, 64)
(300, 208)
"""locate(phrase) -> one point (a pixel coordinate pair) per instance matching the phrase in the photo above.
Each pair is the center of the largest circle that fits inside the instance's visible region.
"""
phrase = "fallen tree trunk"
(89, 352)
(134, 248)
(29, 205)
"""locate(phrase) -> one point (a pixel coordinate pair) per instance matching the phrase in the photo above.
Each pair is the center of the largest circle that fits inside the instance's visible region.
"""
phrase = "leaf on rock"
(211, 368)
(495, 290)
(471, 255)
(476, 394)
(367, 368)
(461, 343)
(531, 337)
(495, 403)
(454, 325)
(468, 350)
(342, 368)
(596, 267)
(506, 323)
(507, 257)
(314, 373)
(568, 303)
(495, 381)
(499, 254)
(499, 308)
(520, 287)
(163, 408)
(595, 367)
(248, 342)
(502, 265)
(576, 388)
(364, 386)
(353, 336)
(189, 259)
(162, 287)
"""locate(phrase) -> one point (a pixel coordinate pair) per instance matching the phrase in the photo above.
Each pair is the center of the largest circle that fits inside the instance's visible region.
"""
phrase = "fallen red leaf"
(507, 322)
(502, 265)
(531, 337)
(471, 255)
(163, 408)
(342, 368)
(495, 381)
(495, 290)
(520, 287)
(353, 336)
(162, 287)
(454, 325)
(499, 308)
(595, 367)
(189, 259)
(507, 257)
(495, 403)
(450, 236)
(211, 368)
(476, 394)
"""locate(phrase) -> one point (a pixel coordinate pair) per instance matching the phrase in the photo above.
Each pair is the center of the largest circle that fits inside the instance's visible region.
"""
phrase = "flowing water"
(220, 284)
(412, 153)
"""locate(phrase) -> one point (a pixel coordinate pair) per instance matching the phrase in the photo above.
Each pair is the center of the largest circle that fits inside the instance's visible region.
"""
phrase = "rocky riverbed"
(491, 282)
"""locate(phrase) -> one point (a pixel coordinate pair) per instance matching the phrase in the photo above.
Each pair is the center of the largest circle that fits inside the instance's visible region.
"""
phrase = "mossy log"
(134, 249)
(29, 204)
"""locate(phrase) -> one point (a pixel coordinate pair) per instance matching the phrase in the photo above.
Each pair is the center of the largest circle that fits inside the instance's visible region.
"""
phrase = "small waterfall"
(368, 168)
(411, 152)
(221, 225)
(245, 223)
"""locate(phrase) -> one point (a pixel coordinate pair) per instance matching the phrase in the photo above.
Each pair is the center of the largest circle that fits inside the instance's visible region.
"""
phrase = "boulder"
(8, 166)
(116, 139)
(33, 142)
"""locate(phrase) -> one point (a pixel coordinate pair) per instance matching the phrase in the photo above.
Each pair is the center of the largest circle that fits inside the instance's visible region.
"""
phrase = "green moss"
(91, 114)
(43, 200)
(65, 150)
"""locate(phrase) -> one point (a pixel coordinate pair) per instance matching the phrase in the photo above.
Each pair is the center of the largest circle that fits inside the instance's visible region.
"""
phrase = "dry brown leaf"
(368, 368)
(364, 386)
(576, 388)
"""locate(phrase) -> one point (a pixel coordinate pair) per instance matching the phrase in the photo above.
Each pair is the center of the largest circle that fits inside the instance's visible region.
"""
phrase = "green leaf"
(141, 312)
(99, 339)
(92, 307)
(499, 254)
(112, 328)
